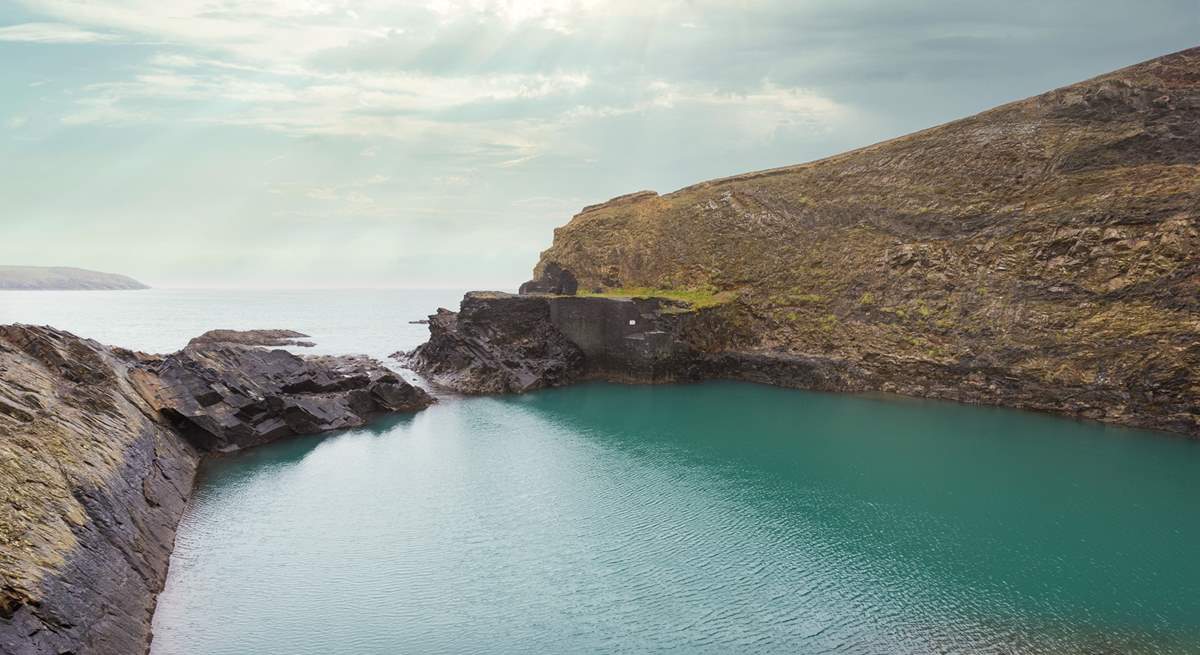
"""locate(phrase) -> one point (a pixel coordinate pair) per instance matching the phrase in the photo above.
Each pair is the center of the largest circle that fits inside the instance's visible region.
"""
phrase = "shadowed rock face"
(98, 450)
(93, 484)
(226, 397)
(503, 343)
(498, 343)
(521, 343)
(553, 279)
(1044, 254)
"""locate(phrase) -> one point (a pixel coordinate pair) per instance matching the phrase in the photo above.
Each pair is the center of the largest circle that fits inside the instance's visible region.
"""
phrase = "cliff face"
(1044, 254)
(503, 343)
(497, 343)
(93, 485)
(98, 449)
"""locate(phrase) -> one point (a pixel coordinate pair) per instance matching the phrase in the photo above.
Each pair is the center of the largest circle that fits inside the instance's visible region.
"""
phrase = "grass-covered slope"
(1051, 243)
(63, 277)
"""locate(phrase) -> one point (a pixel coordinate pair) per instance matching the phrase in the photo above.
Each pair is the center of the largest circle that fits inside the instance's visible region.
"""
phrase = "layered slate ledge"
(502, 343)
(98, 450)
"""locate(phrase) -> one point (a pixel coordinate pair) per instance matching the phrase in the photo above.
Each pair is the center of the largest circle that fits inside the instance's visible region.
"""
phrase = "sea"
(720, 517)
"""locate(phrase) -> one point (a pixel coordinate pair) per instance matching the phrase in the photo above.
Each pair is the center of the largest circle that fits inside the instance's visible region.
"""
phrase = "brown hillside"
(1051, 243)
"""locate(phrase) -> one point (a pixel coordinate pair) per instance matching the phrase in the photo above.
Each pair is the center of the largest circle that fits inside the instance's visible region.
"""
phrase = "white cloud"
(261, 30)
(404, 106)
(351, 195)
(249, 63)
(758, 113)
(53, 33)
(102, 110)
(16, 122)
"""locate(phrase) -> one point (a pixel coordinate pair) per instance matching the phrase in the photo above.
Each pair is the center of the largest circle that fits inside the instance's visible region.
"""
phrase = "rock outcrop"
(93, 484)
(1044, 254)
(513, 344)
(497, 343)
(98, 449)
(552, 279)
(223, 396)
(273, 338)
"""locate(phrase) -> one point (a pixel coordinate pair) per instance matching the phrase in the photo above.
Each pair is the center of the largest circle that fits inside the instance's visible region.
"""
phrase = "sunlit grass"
(696, 298)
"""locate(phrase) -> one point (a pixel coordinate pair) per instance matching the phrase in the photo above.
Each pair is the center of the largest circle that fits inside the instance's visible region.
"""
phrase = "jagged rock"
(552, 279)
(497, 343)
(501, 343)
(93, 484)
(97, 462)
(224, 397)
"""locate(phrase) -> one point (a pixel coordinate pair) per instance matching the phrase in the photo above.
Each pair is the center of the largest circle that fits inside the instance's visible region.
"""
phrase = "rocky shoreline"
(99, 451)
(503, 343)
(1040, 255)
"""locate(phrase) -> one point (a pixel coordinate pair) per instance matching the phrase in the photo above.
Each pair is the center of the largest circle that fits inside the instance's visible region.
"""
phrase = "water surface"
(719, 517)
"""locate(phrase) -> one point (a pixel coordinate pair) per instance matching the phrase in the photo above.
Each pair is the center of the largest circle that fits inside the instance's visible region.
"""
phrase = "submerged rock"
(252, 338)
(98, 450)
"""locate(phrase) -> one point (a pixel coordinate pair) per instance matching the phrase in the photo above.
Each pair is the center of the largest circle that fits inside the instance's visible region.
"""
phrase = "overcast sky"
(286, 143)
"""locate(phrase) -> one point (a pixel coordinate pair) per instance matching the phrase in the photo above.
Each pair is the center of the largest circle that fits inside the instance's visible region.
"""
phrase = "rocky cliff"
(1044, 254)
(98, 449)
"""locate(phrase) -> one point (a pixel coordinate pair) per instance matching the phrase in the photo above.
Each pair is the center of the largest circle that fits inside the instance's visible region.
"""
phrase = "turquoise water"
(720, 517)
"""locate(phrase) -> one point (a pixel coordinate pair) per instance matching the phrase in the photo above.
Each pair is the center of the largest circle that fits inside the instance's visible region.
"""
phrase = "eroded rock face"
(551, 279)
(501, 343)
(497, 343)
(98, 450)
(224, 397)
(93, 484)
(561, 340)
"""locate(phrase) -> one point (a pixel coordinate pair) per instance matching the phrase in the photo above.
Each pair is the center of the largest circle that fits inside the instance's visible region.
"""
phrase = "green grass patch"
(696, 298)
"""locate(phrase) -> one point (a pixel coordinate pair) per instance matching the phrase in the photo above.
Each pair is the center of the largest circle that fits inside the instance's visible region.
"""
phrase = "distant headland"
(63, 277)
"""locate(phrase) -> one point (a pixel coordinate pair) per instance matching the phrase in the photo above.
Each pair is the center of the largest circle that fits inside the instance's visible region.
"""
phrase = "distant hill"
(63, 277)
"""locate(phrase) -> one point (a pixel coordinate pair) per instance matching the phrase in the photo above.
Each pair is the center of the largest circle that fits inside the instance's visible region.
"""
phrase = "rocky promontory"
(98, 449)
(1041, 255)
(60, 278)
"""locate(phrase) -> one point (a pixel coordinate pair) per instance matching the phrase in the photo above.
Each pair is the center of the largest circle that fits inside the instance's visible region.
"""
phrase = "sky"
(437, 143)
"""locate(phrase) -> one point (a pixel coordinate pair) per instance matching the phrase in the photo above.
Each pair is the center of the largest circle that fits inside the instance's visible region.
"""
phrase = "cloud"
(413, 108)
(16, 122)
(53, 33)
(489, 120)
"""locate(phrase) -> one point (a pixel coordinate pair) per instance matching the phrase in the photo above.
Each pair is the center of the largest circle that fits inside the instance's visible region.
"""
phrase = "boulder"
(553, 279)
(224, 396)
